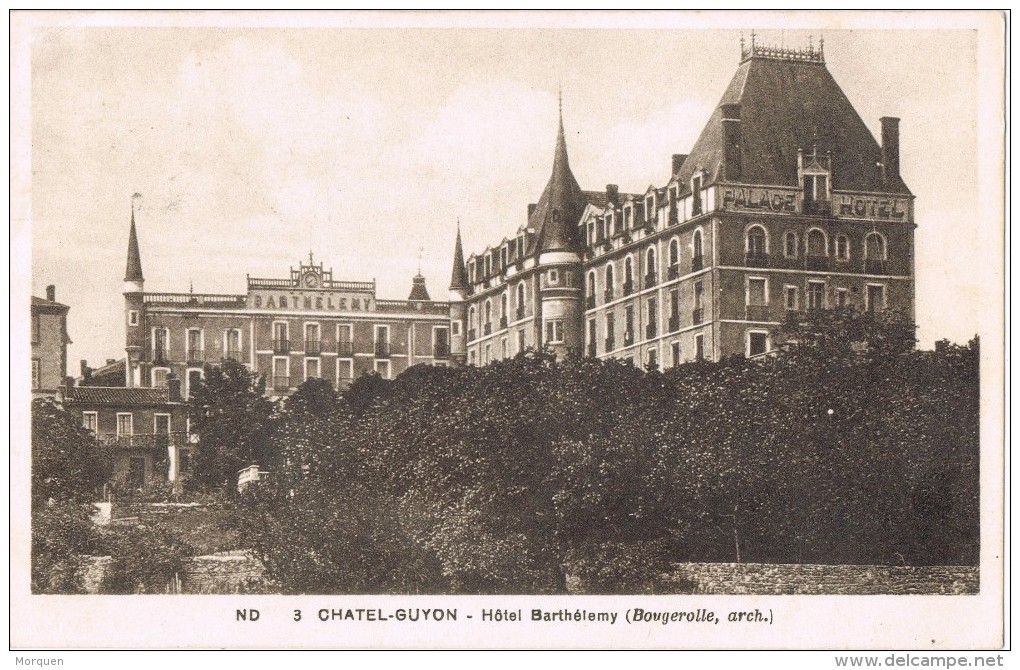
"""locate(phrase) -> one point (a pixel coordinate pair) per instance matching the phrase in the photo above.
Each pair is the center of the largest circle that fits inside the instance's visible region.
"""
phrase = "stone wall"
(226, 572)
(787, 579)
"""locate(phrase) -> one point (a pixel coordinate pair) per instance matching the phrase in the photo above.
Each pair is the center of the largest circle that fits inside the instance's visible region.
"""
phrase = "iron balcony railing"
(698, 316)
(232, 355)
(674, 323)
(610, 344)
(520, 312)
(441, 350)
(471, 334)
(628, 287)
(608, 295)
(651, 330)
(281, 346)
(143, 440)
(502, 322)
(651, 280)
(673, 272)
(161, 356)
(195, 356)
(697, 262)
(487, 329)
(589, 302)
(382, 349)
(312, 347)
(345, 348)
(628, 338)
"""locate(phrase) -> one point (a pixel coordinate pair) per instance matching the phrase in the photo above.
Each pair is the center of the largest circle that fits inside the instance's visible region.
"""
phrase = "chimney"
(890, 147)
(612, 193)
(84, 367)
(173, 384)
(731, 142)
(51, 291)
(678, 162)
(531, 210)
(111, 361)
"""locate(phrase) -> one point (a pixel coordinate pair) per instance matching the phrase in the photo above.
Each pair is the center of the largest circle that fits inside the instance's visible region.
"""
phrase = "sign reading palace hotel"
(856, 206)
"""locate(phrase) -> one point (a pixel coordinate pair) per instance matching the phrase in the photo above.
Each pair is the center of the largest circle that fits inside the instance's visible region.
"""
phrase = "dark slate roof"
(43, 302)
(458, 278)
(418, 290)
(134, 259)
(109, 395)
(563, 197)
(786, 105)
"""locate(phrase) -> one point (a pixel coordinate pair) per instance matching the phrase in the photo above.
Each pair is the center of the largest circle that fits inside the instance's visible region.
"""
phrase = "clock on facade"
(311, 280)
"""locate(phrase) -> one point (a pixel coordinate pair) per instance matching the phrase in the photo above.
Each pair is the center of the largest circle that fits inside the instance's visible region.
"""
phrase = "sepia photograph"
(514, 330)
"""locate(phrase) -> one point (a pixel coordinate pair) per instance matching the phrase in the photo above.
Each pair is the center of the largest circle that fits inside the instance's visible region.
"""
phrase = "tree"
(233, 420)
(67, 469)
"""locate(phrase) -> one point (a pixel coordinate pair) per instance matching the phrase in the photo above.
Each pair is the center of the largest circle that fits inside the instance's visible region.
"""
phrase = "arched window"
(757, 244)
(651, 260)
(842, 247)
(471, 317)
(610, 282)
(628, 275)
(697, 244)
(503, 311)
(520, 300)
(816, 243)
(790, 244)
(874, 247)
(674, 252)
(488, 311)
(591, 284)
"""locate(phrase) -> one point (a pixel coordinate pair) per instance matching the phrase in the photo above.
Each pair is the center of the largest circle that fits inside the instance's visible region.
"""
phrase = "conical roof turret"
(134, 259)
(458, 279)
(561, 205)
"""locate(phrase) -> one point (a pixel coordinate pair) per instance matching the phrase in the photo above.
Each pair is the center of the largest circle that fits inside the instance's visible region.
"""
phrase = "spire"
(459, 278)
(134, 259)
(418, 290)
(562, 203)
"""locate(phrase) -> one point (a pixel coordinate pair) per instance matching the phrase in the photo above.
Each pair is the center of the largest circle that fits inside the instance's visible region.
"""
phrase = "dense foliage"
(233, 419)
(848, 447)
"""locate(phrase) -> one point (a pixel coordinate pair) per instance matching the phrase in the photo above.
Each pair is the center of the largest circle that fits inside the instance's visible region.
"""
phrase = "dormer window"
(650, 208)
(696, 182)
(816, 187)
(815, 182)
(628, 216)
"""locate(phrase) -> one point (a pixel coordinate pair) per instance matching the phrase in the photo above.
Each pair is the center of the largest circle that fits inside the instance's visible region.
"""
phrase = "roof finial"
(821, 45)
(560, 88)
(310, 260)
(420, 251)
(191, 285)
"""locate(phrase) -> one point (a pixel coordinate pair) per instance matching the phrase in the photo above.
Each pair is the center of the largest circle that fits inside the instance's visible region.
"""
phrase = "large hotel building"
(785, 203)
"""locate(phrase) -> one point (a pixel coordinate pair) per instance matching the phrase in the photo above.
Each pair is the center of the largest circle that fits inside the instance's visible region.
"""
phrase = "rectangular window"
(696, 193)
(194, 344)
(790, 297)
(312, 340)
(382, 342)
(160, 345)
(628, 324)
(194, 377)
(699, 347)
(90, 421)
(699, 295)
(312, 368)
(674, 350)
(504, 350)
(520, 341)
(281, 337)
(159, 376)
(344, 340)
(383, 368)
(842, 247)
(36, 374)
(653, 359)
(756, 295)
(488, 354)
(441, 342)
(554, 276)
(815, 188)
(35, 329)
(876, 298)
(554, 331)
(816, 295)
(232, 345)
(125, 424)
(842, 297)
(455, 325)
(344, 373)
(281, 373)
(133, 317)
(757, 343)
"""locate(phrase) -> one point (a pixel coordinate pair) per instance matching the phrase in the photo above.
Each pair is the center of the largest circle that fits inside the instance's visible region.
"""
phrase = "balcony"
(651, 330)
(281, 346)
(628, 338)
(441, 350)
(672, 272)
(674, 323)
(757, 312)
(232, 354)
(471, 334)
(589, 302)
(487, 329)
(818, 263)
(382, 349)
(651, 280)
(756, 259)
(161, 357)
(698, 316)
(520, 312)
(875, 266)
(591, 350)
(697, 262)
(818, 207)
(610, 344)
(281, 383)
(143, 440)
(345, 348)
(195, 357)
(312, 347)
(608, 295)
(628, 287)
(502, 322)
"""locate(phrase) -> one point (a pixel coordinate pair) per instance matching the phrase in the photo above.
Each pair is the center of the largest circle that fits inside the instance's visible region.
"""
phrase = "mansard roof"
(789, 104)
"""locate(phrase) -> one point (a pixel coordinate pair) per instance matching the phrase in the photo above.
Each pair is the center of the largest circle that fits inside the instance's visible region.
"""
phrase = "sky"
(251, 146)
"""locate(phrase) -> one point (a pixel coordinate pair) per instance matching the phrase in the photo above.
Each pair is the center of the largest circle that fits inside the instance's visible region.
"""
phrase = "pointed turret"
(134, 259)
(418, 290)
(458, 279)
(561, 205)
